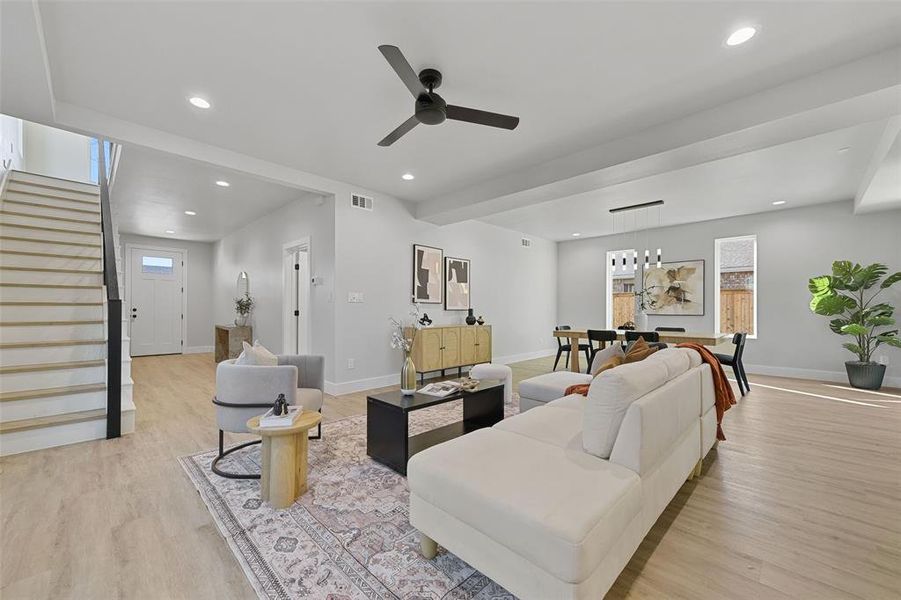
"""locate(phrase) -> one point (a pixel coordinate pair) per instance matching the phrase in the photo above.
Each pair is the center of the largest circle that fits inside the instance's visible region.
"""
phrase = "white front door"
(155, 301)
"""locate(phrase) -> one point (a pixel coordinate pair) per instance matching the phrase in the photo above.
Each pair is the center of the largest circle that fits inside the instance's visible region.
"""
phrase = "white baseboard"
(349, 387)
(197, 350)
(814, 374)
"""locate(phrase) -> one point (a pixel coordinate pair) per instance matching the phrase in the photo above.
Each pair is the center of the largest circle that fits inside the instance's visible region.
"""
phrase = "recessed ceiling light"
(576, 234)
(778, 202)
(190, 213)
(407, 177)
(170, 231)
(740, 36)
(845, 149)
(222, 183)
(199, 102)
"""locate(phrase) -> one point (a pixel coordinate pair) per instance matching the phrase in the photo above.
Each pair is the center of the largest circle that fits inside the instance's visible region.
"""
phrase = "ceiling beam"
(861, 91)
(880, 188)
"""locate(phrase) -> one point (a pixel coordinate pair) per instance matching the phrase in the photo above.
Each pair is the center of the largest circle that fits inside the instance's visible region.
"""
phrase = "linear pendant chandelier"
(637, 209)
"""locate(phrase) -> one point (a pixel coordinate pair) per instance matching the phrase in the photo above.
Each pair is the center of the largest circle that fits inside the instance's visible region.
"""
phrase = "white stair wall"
(53, 316)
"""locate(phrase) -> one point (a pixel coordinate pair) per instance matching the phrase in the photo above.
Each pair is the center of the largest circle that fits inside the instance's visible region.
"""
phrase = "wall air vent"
(360, 201)
(526, 243)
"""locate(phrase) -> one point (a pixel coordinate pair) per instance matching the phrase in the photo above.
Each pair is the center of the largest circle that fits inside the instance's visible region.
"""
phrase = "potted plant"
(243, 306)
(845, 295)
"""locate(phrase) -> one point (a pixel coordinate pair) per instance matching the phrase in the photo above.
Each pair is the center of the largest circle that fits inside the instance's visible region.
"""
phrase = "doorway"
(296, 297)
(155, 292)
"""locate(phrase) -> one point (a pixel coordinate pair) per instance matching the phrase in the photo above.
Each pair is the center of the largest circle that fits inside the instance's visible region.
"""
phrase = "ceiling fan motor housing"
(431, 109)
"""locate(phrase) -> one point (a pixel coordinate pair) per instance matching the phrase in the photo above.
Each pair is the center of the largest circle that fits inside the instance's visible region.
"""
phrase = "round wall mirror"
(243, 286)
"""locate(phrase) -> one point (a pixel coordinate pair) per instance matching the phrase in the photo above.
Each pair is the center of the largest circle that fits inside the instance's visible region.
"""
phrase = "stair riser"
(32, 179)
(38, 221)
(17, 410)
(36, 208)
(56, 236)
(48, 262)
(38, 380)
(27, 193)
(16, 333)
(51, 313)
(49, 278)
(25, 294)
(50, 248)
(33, 356)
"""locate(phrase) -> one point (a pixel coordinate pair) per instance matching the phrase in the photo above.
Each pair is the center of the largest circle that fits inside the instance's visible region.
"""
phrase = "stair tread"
(50, 194)
(53, 420)
(46, 303)
(87, 211)
(54, 391)
(51, 344)
(51, 270)
(15, 213)
(49, 254)
(66, 286)
(55, 229)
(12, 238)
(53, 366)
(50, 323)
(69, 185)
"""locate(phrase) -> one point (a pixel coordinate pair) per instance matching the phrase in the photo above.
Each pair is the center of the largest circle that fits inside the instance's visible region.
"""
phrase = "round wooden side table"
(284, 452)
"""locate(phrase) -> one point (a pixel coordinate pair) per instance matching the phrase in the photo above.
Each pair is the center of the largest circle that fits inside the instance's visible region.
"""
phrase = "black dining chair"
(673, 329)
(601, 336)
(734, 361)
(561, 347)
(650, 337)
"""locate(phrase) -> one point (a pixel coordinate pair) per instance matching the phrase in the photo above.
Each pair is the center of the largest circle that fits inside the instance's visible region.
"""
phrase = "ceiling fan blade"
(481, 117)
(401, 130)
(403, 69)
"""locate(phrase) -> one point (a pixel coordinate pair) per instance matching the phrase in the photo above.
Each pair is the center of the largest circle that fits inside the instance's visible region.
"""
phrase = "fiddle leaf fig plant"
(846, 295)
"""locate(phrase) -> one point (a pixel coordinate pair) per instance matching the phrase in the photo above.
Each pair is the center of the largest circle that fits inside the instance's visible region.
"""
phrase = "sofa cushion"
(694, 357)
(675, 360)
(604, 355)
(609, 397)
(551, 386)
(562, 510)
(571, 402)
(561, 427)
(257, 355)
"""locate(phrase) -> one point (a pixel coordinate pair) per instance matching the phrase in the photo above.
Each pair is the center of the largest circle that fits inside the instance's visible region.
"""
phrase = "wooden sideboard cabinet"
(228, 341)
(451, 347)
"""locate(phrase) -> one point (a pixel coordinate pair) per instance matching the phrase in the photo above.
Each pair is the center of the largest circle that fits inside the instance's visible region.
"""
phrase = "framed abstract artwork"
(675, 288)
(456, 284)
(428, 271)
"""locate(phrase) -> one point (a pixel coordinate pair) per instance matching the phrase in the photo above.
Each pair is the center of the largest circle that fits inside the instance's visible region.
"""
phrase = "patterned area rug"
(349, 536)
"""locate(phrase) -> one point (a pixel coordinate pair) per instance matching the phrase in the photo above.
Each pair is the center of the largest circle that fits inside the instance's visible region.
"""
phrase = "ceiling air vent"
(526, 243)
(359, 201)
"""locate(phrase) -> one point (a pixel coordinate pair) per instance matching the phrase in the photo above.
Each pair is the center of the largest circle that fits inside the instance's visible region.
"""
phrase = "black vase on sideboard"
(470, 318)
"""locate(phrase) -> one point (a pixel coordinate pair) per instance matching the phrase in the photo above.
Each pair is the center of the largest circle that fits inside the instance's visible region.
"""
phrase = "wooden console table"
(229, 340)
(450, 347)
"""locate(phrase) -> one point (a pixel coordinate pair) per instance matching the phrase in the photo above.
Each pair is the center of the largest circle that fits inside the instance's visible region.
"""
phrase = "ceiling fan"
(430, 108)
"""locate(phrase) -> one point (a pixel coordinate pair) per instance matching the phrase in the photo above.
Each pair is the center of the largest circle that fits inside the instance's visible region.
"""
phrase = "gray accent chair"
(246, 391)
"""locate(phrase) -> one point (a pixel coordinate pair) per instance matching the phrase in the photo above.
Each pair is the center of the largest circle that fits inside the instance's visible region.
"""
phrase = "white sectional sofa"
(553, 502)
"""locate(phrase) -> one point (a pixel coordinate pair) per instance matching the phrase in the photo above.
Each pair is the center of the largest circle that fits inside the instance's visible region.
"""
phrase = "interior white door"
(296, 299)
(155, 301)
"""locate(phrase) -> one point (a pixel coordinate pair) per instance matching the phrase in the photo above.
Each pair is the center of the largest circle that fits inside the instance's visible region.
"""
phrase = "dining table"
(705, 338)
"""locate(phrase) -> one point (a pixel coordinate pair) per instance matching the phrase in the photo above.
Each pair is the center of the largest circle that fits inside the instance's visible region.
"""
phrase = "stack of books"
(270, 419)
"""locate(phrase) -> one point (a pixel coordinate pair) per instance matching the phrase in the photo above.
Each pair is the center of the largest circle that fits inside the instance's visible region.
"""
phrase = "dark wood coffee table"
(388, 437)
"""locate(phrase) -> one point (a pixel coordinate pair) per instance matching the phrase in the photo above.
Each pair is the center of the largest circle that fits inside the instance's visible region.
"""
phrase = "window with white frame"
(620, 287)
(735, 260)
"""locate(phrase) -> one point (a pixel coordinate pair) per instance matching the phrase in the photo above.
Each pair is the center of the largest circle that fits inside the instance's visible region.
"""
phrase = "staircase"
(53, 316)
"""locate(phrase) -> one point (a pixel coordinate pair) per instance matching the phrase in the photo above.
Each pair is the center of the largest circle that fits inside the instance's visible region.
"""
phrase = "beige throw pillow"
(257, 355)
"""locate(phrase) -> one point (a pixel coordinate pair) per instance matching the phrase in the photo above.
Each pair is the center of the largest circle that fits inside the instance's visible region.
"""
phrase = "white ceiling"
(302, 84)
(153, 189)
(808, 171)
(619, 102)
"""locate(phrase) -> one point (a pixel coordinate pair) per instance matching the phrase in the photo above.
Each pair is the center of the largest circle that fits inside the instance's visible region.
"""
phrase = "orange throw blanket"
(724, 396)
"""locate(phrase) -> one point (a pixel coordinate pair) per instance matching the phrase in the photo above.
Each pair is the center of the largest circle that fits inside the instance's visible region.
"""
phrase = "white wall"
(513, 287)
(199, 271)
(257, 248)
(11, 156)
(55, 152)
(792, 246)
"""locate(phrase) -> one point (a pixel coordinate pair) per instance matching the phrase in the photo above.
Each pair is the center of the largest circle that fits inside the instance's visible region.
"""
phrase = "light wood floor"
(802, 501)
